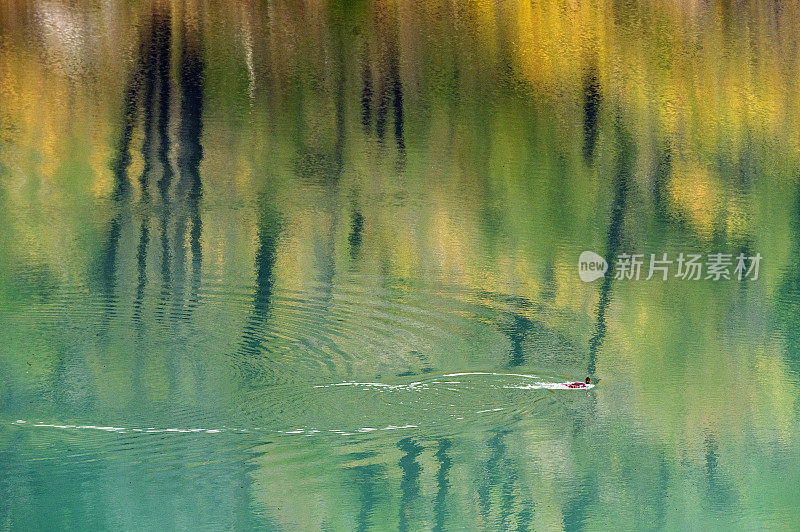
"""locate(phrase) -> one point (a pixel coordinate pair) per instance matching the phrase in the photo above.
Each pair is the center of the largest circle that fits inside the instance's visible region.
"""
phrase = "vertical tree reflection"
(356, 230)
(719, 491)
(156, 121)
(575, 508)
(152, 58)
(190, 153)
(500, 474)
(121, 191)
(663, 171)
(147, 93)
(165, 180)
(268, 226)
(150, 88)
(517, 330)
(442, 484)
(370, 481)
(254, 333)
(366, 90)
(622, 177)
(591, 107)
(390, 87)
(409, 483)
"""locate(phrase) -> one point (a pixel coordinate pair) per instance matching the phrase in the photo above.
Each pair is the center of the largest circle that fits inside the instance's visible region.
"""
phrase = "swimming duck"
(579, 384)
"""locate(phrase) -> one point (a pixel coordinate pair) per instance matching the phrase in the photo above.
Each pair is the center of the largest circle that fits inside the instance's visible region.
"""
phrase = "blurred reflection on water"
(312, 265)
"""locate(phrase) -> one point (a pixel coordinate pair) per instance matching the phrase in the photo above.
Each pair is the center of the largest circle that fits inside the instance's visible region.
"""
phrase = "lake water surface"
(305, 265)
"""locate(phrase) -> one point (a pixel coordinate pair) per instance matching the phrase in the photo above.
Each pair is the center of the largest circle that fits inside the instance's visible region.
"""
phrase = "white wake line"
(549, 386)
(383, 385)
(126, 430)
(363, 430)
(546, 385)
(421, 385)
(490, 373)
(153, 430)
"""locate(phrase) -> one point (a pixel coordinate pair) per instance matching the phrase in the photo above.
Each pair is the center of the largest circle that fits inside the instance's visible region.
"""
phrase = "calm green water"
(314, 265)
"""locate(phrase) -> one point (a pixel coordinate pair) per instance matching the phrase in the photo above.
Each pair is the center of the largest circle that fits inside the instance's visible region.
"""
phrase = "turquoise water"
(314, 265)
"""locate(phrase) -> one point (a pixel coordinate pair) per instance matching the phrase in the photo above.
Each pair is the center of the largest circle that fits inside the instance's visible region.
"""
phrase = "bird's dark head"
(587, 380)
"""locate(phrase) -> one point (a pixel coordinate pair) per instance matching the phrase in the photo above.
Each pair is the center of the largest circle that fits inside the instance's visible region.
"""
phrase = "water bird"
(579, 384)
